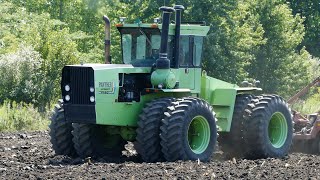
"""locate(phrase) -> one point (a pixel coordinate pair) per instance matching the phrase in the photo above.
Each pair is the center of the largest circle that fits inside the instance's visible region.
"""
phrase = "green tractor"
(162, 101)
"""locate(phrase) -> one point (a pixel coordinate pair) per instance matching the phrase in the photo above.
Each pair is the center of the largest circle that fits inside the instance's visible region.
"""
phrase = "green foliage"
(310, 11)
(278, 65)
(58, 50)
(310, 103)
(21, 117)
(50, 38)
(22, 78)
(235, 35)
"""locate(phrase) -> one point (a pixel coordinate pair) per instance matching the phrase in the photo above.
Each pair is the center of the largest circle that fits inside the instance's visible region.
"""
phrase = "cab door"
(190, 62)
(186, 70)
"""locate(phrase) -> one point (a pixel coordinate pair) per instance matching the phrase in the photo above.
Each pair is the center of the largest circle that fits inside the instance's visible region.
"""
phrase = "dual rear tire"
(269, 129)
(262, 127)
(233, 143)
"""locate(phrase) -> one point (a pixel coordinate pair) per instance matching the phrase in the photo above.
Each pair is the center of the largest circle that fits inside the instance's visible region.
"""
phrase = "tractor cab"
(140, 44)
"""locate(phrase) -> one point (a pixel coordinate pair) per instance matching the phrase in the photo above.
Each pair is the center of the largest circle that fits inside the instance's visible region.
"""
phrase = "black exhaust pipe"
(179, 9)
(107, 41)
(163, 62)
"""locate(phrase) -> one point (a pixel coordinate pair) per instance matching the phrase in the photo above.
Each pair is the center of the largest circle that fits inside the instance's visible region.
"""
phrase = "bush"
(21, 116)
(22, 78)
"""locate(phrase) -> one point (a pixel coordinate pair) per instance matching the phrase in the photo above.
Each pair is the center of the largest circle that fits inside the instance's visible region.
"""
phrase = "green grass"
(21, 117)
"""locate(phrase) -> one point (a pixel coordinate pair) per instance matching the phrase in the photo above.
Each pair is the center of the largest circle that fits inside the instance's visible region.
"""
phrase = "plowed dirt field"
(29, 156)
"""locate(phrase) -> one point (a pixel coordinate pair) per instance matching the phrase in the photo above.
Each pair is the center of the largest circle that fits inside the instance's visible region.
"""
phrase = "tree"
(278, 64)
(310, 11)
(50, 38)
(22, 79)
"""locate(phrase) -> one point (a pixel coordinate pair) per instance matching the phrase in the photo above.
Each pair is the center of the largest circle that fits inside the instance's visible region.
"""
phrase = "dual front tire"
(176, 129)
(92, 140)
(188, 131)
(60, 132)
(84, 140)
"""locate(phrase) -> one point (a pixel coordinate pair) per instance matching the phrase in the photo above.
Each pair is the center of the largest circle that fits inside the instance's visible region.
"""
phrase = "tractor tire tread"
(82, 140)
(148, 140)
(234, 138)
(172, 128)
(256, 122)
(60, 132)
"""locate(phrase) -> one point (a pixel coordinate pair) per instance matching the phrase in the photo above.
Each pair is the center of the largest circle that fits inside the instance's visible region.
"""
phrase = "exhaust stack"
(107, 41)
(179, 9)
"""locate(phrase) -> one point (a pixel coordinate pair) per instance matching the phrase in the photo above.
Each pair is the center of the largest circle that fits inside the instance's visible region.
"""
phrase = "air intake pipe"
(179, 9)
(162, 77)
(107, 41)
(163, 62)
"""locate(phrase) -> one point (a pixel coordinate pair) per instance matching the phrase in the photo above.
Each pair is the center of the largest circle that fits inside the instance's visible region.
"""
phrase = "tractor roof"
(186, 29)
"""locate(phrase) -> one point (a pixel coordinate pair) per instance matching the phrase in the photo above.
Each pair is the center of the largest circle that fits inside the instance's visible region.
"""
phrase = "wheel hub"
(277, 130)
(198, 134)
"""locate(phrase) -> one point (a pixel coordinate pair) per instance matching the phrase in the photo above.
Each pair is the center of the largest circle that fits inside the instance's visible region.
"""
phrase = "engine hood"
(119, 68)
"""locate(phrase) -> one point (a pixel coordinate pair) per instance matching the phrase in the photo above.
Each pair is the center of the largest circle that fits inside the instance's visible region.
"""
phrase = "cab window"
(140, 46)
(190, 51)
(197, 50)
(184, 54)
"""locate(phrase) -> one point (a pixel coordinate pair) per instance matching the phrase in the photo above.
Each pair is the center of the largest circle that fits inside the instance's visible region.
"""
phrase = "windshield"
(140, 46)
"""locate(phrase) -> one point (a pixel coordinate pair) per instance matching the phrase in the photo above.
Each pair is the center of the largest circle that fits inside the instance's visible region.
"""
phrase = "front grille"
(80, 79)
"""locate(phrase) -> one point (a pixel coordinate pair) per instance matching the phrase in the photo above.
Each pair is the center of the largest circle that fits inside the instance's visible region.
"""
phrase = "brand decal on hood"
(106, 88)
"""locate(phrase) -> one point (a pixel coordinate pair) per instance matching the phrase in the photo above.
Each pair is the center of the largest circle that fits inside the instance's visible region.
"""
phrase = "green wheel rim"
(199, 134)
(278, 130)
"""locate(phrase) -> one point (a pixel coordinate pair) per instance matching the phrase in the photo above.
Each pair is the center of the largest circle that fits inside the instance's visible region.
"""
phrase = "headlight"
(67, 88)
(91, 99)
(67, 97)
(91, 89)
